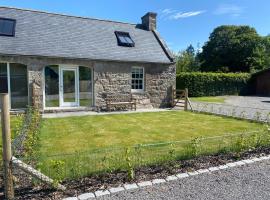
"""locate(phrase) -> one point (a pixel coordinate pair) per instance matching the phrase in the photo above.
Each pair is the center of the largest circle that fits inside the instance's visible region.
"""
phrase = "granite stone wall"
(112, 77)
(109, 77)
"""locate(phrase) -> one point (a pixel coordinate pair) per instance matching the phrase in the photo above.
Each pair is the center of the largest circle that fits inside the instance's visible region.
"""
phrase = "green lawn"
(67, 135)
(78, 146)
(209, 99)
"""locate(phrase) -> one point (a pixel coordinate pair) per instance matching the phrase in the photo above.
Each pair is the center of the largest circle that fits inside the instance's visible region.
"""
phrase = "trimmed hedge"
(213, 84)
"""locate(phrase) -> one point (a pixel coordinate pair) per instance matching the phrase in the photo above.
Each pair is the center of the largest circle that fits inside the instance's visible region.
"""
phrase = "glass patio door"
(69, 94)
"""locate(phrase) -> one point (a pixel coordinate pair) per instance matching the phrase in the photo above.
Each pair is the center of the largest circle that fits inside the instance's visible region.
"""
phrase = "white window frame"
(138, 90)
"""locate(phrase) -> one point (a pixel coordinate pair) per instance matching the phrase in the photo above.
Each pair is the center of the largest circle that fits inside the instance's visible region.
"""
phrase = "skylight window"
(124, 39)
(7, 27)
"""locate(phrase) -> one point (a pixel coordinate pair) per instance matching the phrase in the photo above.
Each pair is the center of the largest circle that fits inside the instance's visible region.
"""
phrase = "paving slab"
(86, 196)
(130, 186)
(144, 183)
(171, 178)
(158, 181)
(116, 189)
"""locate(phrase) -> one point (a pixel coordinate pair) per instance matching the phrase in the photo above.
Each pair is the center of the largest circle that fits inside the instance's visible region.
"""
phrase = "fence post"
(7, 156)
(173, 96)
(186, 99)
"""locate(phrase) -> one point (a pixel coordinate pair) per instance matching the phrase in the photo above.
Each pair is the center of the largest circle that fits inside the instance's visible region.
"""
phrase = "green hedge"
(213, 84)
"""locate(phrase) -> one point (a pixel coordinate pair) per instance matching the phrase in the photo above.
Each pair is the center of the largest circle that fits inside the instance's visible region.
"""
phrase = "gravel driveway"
(241, 183)
(246, 101)
(254, 108)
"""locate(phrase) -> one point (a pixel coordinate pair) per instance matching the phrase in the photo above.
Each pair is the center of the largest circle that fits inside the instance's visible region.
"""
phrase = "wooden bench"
(120, 101)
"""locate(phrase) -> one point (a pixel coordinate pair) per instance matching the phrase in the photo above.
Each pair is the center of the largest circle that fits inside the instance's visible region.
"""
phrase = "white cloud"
(167, 11)
(175, 14)
(229, 9)
(180, 15)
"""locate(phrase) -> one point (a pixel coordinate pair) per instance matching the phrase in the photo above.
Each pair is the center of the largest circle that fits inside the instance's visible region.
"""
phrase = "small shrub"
(172, 152)
(58, 168)
(130, 170)
(240, 144)
(195, 146)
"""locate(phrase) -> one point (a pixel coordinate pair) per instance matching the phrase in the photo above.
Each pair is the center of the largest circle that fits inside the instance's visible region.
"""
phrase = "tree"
(186, 60)
(267, 51)
(233, 49)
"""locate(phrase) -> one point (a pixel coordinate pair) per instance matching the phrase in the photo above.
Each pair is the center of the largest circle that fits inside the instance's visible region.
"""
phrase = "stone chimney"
(149, 21)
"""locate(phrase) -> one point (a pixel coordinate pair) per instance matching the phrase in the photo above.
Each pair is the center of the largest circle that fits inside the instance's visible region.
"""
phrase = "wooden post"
(7, 155)
(186, 99)
(173, 96)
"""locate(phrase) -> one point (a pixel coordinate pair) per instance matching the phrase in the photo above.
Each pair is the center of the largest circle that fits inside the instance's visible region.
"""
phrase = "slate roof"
(55, 35)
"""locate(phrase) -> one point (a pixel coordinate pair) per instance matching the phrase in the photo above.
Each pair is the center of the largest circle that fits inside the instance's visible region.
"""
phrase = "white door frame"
(75, 69)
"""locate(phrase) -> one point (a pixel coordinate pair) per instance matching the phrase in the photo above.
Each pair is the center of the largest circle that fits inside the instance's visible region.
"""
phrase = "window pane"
(18, 85)
(7, 26)
(69, 88)
(128, 40)
(137, 78)
(3, 78)
(85, 76)
(51, 86)
(122, 39)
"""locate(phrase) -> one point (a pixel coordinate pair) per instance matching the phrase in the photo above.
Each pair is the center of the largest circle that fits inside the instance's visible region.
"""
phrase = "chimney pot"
(149, 21)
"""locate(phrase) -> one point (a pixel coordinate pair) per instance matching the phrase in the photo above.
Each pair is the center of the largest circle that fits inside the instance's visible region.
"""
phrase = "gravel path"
(241, 183)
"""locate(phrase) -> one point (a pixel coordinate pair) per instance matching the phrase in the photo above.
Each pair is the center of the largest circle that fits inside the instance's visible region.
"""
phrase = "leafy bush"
(213, 84)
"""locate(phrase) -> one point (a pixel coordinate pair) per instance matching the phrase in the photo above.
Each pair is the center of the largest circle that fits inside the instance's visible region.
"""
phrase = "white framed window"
(137, 79)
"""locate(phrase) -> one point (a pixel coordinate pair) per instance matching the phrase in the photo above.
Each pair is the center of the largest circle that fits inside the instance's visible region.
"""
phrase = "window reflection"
(52, 86)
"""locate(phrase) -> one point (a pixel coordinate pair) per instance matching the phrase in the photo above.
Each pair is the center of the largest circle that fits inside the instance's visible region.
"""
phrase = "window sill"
(137, 91)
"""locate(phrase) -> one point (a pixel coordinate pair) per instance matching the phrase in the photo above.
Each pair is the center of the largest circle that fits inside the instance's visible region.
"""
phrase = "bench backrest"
(118, 98)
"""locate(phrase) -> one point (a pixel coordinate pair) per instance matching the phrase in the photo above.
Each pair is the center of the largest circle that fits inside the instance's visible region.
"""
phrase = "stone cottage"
(75, 61)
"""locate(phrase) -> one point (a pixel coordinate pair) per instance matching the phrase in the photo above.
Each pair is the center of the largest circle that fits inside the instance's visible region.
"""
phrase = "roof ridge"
(65, 15)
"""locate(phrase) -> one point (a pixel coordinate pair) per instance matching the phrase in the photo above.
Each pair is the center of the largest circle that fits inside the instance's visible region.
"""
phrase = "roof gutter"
(85, 59)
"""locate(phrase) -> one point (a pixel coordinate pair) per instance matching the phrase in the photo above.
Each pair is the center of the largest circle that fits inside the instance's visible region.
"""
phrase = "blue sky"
(180, 22)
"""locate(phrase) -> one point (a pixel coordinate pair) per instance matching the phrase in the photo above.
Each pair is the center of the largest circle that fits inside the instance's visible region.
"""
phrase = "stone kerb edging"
(138, 185)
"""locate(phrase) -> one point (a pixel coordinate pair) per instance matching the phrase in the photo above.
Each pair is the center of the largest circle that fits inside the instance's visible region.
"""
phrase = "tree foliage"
(235, 49)
(187, 60)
